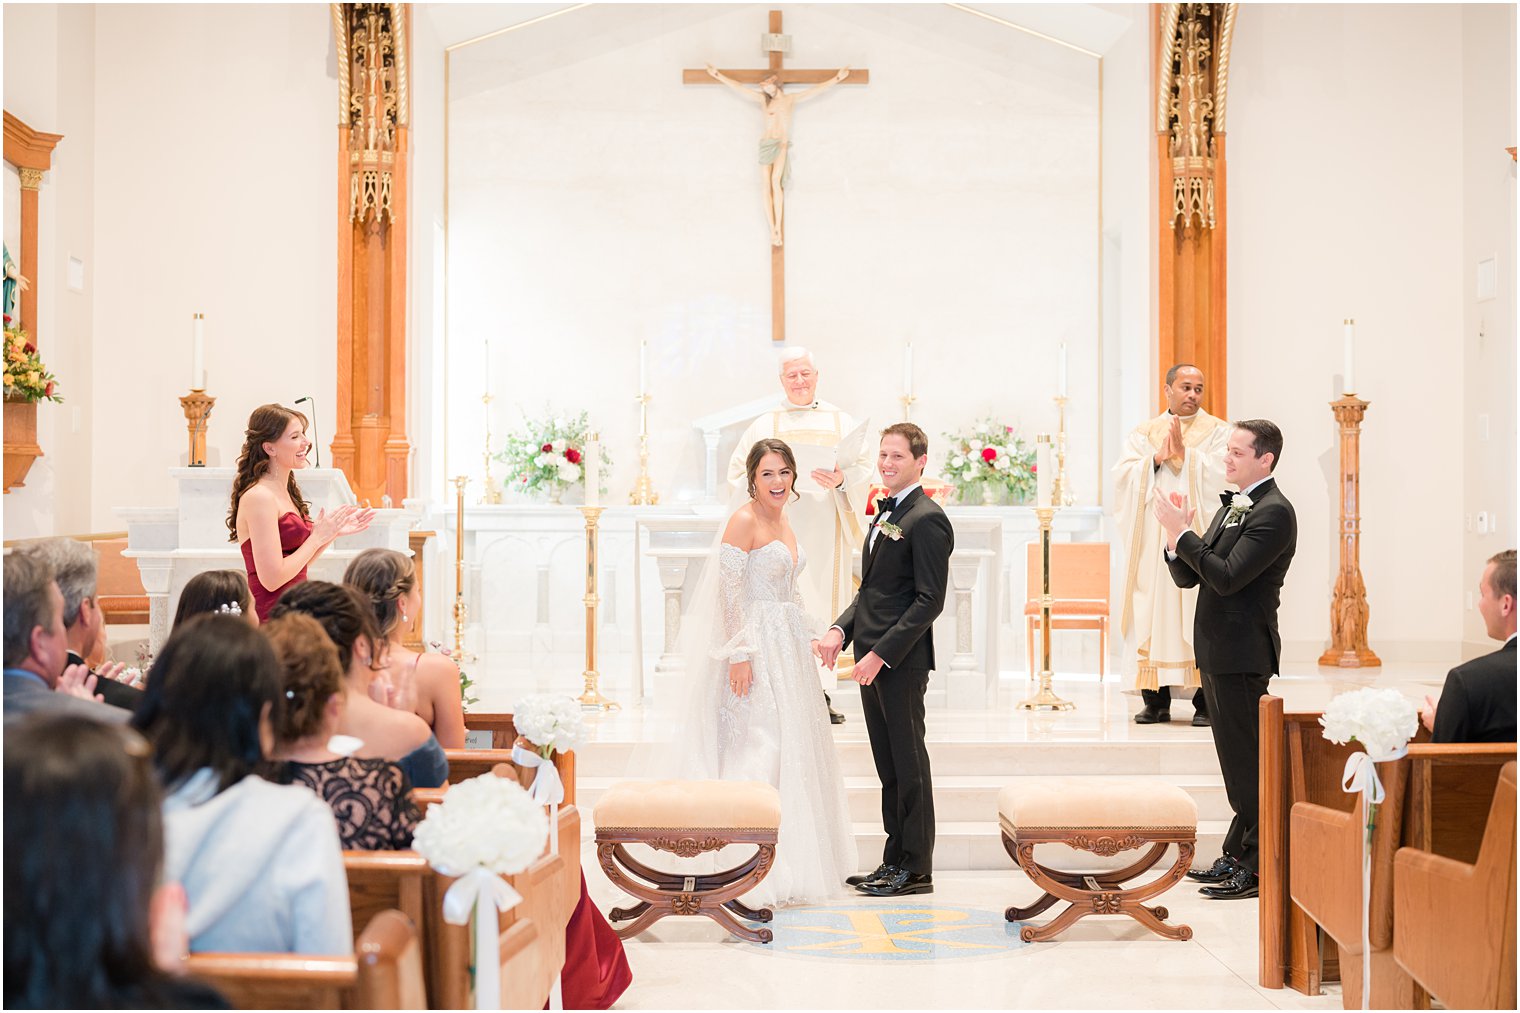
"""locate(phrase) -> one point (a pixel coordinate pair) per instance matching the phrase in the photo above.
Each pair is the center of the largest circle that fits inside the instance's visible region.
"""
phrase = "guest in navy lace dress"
(269, 518)
(385, 733)
(369, 797)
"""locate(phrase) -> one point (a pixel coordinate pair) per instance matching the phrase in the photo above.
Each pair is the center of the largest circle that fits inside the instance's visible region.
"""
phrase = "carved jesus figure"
(776, 106)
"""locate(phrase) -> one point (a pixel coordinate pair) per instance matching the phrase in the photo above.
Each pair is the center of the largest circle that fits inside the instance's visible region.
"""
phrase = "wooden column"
(1348, 607)
(371, 444)
(1192, 72)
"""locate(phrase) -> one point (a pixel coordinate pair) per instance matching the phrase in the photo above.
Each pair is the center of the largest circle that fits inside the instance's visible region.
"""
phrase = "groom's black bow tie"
(886, 504)
(1226, 497)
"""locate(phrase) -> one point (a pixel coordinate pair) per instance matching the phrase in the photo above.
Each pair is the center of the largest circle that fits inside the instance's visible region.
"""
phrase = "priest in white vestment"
(829, 518)
(1179, 451)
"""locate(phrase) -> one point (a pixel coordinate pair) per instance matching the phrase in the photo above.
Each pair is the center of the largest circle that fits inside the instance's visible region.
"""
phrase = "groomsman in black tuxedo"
(1238, 566)
(904, 571)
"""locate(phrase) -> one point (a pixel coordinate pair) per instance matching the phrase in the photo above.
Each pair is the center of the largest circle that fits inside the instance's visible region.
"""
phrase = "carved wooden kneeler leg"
(713, 895)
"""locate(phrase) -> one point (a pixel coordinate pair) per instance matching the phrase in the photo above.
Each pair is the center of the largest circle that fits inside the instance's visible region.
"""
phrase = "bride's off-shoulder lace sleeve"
(739, 643)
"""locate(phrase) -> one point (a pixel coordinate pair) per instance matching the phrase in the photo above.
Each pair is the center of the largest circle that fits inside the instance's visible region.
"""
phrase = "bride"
(755, 710)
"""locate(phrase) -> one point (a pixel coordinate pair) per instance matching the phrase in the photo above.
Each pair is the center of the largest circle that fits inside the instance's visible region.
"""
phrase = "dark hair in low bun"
(310, 674)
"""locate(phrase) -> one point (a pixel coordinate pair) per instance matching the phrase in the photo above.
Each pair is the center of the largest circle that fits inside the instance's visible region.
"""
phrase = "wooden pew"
(384, 973)
(1297, 765)
(1326, 880)
(1454, 921)
(504, 734)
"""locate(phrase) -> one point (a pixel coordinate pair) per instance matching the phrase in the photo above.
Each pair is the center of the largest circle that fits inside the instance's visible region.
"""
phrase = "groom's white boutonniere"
(1239, 505)
(890, 530)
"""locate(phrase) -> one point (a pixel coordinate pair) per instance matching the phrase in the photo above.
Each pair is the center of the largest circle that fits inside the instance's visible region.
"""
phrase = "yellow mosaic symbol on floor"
(893, 932)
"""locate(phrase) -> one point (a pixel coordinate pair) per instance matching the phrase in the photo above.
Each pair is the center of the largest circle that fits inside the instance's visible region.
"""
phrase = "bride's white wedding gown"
(779, 732)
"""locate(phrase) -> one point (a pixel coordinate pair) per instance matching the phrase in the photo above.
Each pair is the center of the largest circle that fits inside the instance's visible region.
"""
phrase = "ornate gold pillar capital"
(31, 179)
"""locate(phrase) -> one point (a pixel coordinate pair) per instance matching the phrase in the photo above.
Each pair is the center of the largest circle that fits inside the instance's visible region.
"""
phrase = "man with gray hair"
(76, 569)
(36, 647)
(827, 517)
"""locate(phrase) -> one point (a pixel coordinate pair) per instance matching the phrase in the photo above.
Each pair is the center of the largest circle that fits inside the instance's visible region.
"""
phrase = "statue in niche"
(14, 285)
(775, 164)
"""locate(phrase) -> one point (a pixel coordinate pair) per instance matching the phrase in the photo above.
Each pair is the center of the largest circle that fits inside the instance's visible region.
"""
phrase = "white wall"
(1488, 327)
(49, 84)
(596, 201)
(1346, 200)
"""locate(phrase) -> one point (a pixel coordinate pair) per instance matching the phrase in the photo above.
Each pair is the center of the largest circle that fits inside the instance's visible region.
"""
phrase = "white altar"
(172, 544)
(525, 584)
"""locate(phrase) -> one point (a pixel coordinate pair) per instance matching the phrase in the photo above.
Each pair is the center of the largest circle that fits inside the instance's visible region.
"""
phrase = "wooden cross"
(775, 44)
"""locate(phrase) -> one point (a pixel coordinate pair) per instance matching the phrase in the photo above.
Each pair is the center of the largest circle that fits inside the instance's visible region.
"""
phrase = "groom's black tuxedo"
(1238, 569)
(902, 591)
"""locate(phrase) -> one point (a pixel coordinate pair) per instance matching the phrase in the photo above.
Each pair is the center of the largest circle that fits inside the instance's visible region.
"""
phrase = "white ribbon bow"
(547, 787)
(1361, 778)
(482, 893)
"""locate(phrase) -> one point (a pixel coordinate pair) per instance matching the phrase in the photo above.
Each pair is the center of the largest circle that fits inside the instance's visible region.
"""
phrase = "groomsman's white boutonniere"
(1239, 505)
(890, 530)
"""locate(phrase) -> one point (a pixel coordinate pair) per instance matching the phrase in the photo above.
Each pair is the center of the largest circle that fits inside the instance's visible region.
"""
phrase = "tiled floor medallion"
(901, 931)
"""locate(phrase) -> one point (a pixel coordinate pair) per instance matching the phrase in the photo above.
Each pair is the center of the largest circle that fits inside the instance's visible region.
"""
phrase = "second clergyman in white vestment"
(828, 521)
(1179, 451)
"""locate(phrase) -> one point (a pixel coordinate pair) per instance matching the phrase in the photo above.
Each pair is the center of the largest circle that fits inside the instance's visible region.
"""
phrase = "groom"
(904, 569)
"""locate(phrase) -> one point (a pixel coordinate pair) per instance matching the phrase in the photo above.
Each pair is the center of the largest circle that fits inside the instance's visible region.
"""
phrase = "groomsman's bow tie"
(886, 504)
(1226, 498)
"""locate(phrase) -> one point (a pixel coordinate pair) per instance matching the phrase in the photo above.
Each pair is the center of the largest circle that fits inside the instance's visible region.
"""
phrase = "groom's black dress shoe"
(835, 718)
(870, 877)
(1223, 868)
(1241, 884)
(898, 883)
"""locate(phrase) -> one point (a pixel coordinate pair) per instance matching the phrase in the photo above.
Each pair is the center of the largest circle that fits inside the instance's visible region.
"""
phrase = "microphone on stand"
(314, 446)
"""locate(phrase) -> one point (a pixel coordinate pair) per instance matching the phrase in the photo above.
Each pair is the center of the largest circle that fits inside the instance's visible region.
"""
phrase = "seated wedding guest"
(1478, 701)
(76, 568)
(425, 683)
(223, 591)
(260, 862)
(37, 675)
(370, 798)
(82, 932)
(386, 733)
(268, 517)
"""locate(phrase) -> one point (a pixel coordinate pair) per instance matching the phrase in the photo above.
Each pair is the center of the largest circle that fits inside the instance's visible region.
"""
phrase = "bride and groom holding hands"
(761, 676)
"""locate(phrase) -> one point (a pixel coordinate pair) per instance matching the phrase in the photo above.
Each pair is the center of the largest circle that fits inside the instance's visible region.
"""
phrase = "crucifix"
(776, 105)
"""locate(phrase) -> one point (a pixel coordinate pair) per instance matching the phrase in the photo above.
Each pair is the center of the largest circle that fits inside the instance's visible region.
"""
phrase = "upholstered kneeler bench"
(688, 818)
(1104, 817)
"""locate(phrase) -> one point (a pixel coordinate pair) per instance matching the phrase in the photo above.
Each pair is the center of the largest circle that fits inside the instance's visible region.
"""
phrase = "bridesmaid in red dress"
(269, 518)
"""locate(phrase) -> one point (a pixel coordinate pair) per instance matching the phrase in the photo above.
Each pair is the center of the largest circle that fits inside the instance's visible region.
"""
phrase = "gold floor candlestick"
(643, 490)
(461, 611)
(1046, 697)
(1348, 606)
(197, 405)
(492, 494)
(592, 697)
(1060, 491)
(908, 401)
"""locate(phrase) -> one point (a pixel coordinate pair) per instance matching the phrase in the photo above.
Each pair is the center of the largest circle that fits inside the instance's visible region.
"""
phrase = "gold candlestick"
(492, 494)
(643, 490)
(592, 697)
(1046, 697)
(197, 405)
(1060, 490)
(908, 401)
(1348, 606)
(460, 609)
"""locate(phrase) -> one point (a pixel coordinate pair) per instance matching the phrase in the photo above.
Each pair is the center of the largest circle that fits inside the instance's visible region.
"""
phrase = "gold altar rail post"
(592, 697)
(1046, 696)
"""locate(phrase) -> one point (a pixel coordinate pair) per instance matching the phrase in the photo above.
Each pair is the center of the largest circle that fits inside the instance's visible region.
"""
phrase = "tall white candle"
(198, 353)
(643, 367)
(1348, 380)
(1061, 379)
(1042, 475)
(908, 370)
(593, 464)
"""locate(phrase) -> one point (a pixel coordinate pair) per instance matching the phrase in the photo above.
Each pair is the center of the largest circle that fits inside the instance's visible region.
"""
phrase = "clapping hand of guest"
(167, 935)
(117, 671)
(1428, 714)
(78, 680)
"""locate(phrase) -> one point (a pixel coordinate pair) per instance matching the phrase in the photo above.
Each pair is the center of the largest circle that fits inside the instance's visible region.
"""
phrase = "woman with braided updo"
(427, 684)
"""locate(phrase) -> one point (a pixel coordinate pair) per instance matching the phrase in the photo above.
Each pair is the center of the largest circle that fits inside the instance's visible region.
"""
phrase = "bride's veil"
(680, 735)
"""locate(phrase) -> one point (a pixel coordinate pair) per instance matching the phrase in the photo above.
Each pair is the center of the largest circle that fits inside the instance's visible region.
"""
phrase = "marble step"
(966, 798)
(1176, 755)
